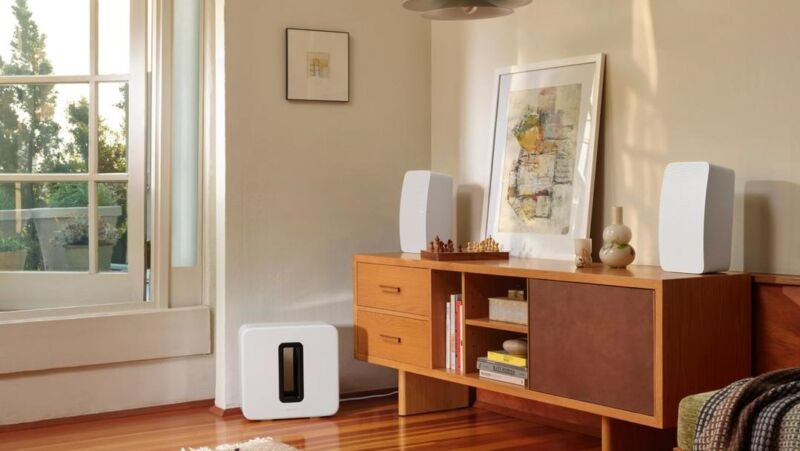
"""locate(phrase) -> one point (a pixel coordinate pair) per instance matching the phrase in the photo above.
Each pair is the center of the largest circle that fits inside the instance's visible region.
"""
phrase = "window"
(101, 153)
(73, 160)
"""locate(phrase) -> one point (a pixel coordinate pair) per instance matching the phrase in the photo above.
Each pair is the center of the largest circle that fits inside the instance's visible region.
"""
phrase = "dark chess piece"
(450, 246)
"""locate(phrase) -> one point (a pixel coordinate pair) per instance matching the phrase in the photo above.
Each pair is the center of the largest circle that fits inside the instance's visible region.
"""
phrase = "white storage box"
(508, 310)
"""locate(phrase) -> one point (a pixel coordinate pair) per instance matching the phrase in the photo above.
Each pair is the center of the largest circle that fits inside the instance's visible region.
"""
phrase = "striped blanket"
(757, 414)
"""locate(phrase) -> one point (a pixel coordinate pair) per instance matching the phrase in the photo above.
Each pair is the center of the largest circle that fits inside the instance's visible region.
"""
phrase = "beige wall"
(685, 81)
(309, 184)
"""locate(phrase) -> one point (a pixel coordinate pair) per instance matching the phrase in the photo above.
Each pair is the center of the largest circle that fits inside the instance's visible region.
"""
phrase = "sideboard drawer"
(394, 338)
(394, 288)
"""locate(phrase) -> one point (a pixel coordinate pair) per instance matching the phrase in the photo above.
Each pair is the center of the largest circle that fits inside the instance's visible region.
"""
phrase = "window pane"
(58, 41)
(185, 130)
(44, 128)
(47, 222)
(112, 136)
(114, 21)
(112, 227)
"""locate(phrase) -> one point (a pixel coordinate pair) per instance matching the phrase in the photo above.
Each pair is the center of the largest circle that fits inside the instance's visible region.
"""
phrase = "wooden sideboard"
(624, 344)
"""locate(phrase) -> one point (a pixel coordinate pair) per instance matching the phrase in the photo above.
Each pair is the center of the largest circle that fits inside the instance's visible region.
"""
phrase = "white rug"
(256, 444)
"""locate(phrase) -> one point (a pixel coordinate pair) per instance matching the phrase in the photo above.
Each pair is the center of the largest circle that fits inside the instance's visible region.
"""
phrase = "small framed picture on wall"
(317, 65)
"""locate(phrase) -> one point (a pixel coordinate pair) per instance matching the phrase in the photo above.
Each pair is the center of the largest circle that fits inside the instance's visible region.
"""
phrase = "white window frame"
(38, 288)
(179, 297)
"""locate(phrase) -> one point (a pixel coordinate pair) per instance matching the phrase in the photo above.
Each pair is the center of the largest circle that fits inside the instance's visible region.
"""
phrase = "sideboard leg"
(420, 394)
(623, 436)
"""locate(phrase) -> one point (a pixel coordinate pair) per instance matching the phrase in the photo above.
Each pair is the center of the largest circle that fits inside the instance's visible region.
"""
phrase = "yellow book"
(504, 357)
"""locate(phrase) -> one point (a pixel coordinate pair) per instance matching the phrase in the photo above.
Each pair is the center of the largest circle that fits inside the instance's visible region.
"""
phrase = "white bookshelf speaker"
(696, 218)
(289, 370)
(426, 209)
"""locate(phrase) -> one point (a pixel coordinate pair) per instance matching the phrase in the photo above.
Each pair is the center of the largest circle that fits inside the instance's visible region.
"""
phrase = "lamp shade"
(463, 9)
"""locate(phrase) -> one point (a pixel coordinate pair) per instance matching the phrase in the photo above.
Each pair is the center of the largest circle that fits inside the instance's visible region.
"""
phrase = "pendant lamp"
(463, 9)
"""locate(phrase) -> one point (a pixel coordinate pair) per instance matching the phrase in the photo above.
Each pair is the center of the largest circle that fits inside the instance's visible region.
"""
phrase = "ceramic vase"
(616, 251)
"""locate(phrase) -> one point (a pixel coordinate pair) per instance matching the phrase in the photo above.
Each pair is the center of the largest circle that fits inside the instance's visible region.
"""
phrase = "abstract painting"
(542, 174)
(319, 64)
(540, 159)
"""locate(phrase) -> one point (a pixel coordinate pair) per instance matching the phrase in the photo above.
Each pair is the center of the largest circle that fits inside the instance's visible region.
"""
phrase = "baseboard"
(224, 413)
(231, 411)
(545, 414)
(106, 415)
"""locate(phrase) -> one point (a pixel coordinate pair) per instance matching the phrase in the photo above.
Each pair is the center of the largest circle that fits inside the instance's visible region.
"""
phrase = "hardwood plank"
(359, 425)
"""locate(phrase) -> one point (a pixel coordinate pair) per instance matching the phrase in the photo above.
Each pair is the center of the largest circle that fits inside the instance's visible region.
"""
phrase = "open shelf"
(497, 325)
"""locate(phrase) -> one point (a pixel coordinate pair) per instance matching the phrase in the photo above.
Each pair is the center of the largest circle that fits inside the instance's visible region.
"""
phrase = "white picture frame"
(317, 65)
(530, 215)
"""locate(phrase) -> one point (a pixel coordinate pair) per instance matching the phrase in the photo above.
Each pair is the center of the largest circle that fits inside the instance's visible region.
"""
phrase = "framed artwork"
(543, 156)
(317, 65)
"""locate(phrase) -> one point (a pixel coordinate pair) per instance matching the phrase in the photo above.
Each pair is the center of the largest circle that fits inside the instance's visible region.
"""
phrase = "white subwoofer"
(696, 218)
(426, 209)
(289, 370)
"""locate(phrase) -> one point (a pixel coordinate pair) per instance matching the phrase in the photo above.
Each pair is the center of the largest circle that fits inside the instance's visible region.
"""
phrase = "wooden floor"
(359, 425)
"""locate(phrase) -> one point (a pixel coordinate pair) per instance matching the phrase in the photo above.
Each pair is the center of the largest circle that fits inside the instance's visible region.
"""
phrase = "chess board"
(455, 256)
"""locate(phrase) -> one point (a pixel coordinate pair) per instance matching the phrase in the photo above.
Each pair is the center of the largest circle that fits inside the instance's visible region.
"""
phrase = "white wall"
(685, 81)
(310, 184)
(40, 395)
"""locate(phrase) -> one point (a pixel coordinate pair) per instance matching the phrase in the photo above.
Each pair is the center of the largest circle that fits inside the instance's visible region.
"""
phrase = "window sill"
(51, 343)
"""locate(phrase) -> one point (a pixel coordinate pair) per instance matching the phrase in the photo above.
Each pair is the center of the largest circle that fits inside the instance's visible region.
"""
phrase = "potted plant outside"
(66, 204)
(74, 238)
(13, 252)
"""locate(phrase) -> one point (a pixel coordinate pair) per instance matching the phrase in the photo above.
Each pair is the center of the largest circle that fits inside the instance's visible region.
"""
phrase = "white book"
(461, 353)
(447, 335)
(501, 377)
(453, 331)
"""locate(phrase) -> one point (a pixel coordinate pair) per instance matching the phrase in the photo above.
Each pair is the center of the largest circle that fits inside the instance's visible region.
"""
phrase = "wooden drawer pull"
(390, 338)
(390, 289)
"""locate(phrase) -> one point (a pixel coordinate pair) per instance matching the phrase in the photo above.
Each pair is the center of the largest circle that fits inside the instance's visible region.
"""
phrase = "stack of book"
(504, 367)
(454, 333)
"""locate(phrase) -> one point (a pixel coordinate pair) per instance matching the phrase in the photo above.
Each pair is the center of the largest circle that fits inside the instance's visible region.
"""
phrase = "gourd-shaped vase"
(616, 252)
